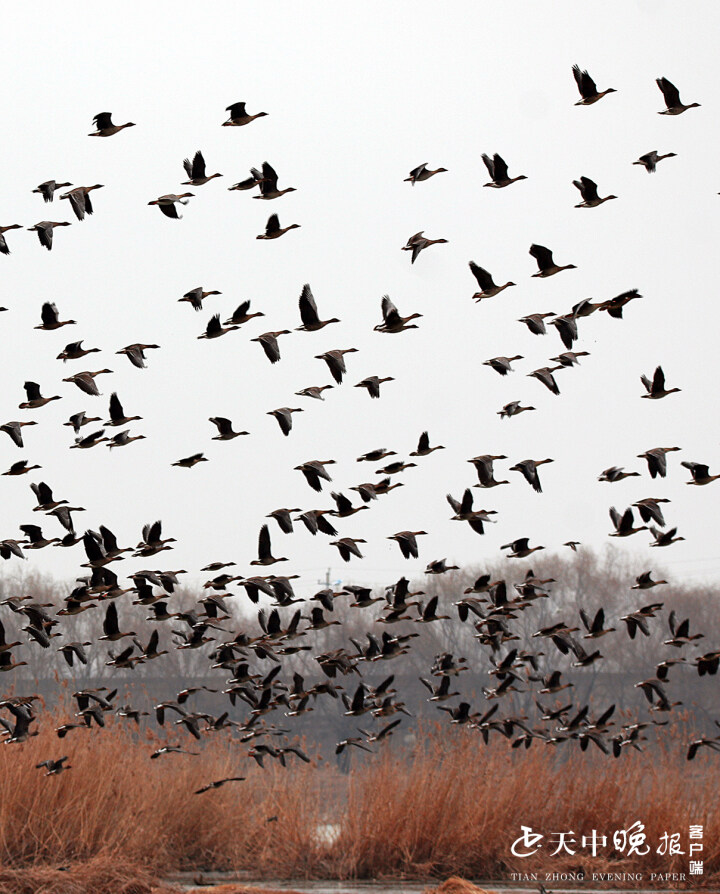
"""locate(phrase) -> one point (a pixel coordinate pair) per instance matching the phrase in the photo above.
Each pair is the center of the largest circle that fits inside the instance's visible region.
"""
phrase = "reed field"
(449, 805)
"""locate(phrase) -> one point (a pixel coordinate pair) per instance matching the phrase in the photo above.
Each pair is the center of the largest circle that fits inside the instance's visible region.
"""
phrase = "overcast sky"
(356, 96)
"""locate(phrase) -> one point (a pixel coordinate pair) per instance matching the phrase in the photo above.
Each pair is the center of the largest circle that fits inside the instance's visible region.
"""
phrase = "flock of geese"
(248, 665)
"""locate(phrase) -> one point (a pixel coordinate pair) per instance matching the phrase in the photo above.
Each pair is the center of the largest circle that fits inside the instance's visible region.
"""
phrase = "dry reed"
(447, 805)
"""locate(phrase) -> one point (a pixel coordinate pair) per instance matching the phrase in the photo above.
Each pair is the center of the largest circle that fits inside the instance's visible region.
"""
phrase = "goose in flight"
(373, 383)
(80, 200)
(336, 362)
(700, 473)
(488, 288)
(48, 189)
(311, 321)
(498, 171)
(268, 342)
(167, 203)
(624, 523)
(225, 429)
(671, 95)
(242, 314)
(51, 318)
(85, 381)
(74, 351)
(528, 468)
(423, 172)
(195, 170)
(589, 192)
(268, 184)
(54, 767)
(392, 321)
(546, 265)
(616, 473)
(34, 398)
(195, 297)
(265, 556)
(650, 159)
(520, 548)
(417, 243)
(45, 228)
(512, 409)
(587, 88)
(283, 415)
(615, 305)
(136, 353)
(656, 389)
(3, 244)
(105, 127)
(407, 541)
(239, 117)
(649, 509)
(215, 328)
(423, 447)
(545, 375)
(273, 230)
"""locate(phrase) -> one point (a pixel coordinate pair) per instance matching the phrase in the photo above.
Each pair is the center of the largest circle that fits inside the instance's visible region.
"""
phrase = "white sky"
(356, 96)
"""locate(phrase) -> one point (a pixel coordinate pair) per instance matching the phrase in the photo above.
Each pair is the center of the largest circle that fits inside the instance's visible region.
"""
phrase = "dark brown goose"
(650, 159)
(239, 117)
(544, 257)
(195, 170)
(45, 228)
(589, 193)
(273, 230)
(423, 172)
(79, 199)
(671, 95)
(587, 88)
(311, 321)
(105, 127)
(3, 244)
(195, 297)
(498, 171)
(392, 321)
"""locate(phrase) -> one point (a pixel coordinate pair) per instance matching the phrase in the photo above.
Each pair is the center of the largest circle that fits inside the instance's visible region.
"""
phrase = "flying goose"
(105, 127)
(268, 184)
(422, 172)
(283, 415)
(656, 389)
(392, 321)
(587, 88)
(546, 265)
(48, 188)
(195, 170)
(498, 171)
(3, 244)
(238, 115)
(589, 193)
(273, 230)
(418, 242)
(268, 342)
(265, 556)
(650, 160)
(671, 95)
(700, 473)
(488, 288)
(501, 365)
(196, 296)
(79, 198)
(311, 321)
(44, 229)
(336, 361)
(167, 203)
